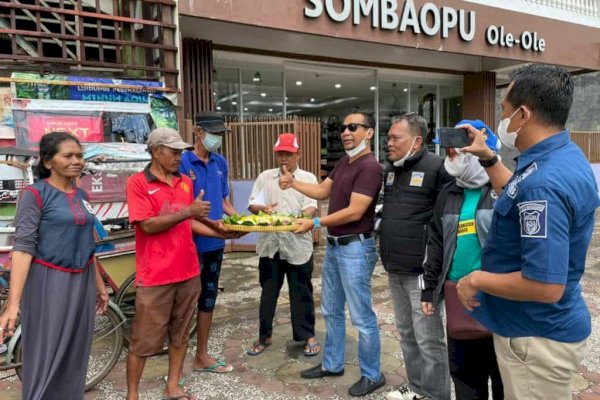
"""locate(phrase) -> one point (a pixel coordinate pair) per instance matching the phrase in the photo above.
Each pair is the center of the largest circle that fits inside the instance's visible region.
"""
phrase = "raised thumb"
(284, 169)
(201, 195)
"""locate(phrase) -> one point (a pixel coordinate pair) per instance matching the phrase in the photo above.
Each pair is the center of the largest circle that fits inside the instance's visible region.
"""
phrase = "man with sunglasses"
(352, 188)
(411, 186)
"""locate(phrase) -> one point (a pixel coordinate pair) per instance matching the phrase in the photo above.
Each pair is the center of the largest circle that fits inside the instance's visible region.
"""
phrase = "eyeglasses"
(352, 127)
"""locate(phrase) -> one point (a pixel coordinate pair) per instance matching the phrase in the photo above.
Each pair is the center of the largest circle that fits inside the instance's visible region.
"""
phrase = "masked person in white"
(284, 255)
(457, 234)
(411, 186)
(528, 290)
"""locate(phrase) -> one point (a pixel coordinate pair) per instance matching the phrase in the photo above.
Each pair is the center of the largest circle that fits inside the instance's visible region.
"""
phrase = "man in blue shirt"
(528, 292)
(208, 171)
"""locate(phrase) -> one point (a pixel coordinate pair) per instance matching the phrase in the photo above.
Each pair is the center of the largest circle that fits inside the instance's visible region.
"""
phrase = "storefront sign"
(430, 20)
(497, 36)
(86, 128)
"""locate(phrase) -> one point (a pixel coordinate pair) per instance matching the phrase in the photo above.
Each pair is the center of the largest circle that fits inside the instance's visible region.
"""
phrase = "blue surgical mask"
(212, 142)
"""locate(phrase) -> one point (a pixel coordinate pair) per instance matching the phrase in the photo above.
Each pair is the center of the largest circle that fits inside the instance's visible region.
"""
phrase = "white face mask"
(409, 154)
(212, 142)
(508, 138)
(358, 149)
(456, 166)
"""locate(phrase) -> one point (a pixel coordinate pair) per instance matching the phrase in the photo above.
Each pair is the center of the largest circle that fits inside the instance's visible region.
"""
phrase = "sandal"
(312, 349)
(218, 368)
(181, 383)
(258, 347)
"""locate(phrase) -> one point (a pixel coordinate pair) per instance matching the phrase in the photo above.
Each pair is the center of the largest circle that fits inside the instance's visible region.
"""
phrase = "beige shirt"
(295, 249)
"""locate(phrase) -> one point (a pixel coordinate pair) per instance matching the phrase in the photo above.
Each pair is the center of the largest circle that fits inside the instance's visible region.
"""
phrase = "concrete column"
(479, 97)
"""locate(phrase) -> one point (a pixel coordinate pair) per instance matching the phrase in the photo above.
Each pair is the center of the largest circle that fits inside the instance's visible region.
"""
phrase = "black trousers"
(472, 363)
(272, 272)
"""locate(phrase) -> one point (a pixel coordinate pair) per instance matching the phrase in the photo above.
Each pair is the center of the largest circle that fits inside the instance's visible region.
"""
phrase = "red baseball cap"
(287, 142)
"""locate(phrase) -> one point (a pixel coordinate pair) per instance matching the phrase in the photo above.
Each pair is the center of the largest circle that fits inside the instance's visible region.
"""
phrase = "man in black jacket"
(411, 186)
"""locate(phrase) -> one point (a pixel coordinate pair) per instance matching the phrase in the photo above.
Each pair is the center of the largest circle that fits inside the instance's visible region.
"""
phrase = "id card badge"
(416, 179)
(389, 181)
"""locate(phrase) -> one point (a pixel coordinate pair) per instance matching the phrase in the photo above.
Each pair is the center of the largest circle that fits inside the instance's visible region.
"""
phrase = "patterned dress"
(58, 302)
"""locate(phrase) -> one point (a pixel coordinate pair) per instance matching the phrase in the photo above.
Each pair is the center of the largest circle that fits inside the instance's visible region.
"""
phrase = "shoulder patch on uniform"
(533, 216)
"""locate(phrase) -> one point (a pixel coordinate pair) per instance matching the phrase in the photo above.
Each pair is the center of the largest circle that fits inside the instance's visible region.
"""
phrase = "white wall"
(596, 169)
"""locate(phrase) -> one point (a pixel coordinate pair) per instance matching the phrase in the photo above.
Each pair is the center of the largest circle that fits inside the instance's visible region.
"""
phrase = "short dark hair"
(417, 125)
(546, 90)
(368, 117)
(49, 147)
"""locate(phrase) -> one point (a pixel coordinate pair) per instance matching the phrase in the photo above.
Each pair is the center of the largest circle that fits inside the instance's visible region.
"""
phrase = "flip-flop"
(258, 345)
(311, 346)
(181, 382)
(215, 368)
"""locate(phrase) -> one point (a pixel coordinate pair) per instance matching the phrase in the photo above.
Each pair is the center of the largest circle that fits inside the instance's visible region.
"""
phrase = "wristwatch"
(317, 223)
(490, 162)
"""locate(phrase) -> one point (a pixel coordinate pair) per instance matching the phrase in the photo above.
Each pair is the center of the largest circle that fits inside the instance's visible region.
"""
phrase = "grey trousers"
(421, 339)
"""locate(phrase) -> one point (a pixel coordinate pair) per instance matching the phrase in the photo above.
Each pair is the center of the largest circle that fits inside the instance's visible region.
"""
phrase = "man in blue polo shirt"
(528, 292)
(208, 171)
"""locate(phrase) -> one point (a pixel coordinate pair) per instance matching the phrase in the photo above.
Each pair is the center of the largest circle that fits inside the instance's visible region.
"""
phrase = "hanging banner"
(7, 123)
(105, 186)
(40, 87)
(86, 128)
(72, 105)
(110, 94)
(163, 113)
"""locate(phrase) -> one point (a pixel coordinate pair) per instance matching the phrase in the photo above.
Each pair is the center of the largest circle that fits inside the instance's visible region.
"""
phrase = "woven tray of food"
(261, 223)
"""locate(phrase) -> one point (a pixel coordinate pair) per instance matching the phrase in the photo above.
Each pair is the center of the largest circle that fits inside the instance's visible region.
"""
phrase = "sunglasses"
(352, 127)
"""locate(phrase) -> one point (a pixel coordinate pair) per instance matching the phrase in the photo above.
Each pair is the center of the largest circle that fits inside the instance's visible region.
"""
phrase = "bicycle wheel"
(106, 347)
(125, 300)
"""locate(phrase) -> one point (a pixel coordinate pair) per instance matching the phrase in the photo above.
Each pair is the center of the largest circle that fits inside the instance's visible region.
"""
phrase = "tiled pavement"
(275, 373)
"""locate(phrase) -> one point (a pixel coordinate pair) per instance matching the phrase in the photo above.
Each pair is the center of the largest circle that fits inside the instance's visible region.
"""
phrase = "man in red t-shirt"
(163, 209)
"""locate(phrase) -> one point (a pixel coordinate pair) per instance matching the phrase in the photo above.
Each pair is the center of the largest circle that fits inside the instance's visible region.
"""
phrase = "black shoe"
(365, 386)
(319, 372)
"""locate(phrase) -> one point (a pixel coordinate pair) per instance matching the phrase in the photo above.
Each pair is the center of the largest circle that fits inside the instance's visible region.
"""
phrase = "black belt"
(344, 240)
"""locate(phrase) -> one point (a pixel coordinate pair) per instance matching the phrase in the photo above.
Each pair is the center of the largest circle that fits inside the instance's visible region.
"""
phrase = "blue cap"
(491, 139)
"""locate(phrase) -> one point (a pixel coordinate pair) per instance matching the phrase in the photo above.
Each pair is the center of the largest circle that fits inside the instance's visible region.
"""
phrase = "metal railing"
(585, 12)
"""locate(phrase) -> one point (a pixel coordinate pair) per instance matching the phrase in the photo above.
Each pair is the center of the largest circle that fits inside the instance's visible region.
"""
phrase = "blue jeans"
(347, 274)
(421, 339)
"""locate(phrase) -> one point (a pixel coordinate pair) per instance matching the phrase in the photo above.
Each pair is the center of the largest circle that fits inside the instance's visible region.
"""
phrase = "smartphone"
(453, 137)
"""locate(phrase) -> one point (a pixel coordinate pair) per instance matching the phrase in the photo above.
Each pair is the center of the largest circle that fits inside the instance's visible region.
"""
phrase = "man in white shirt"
(284, 254)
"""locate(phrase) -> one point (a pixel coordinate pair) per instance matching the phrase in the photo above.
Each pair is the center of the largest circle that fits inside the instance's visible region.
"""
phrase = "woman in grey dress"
(54, 283)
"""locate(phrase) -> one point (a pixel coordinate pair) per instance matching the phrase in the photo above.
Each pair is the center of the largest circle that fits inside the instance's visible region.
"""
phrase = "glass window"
(329, 94)
(226, 92)
(423, 101)
(393, 101)
(450, 105)
(262, 92)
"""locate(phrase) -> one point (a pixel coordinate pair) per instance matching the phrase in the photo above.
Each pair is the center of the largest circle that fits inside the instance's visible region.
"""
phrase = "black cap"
(211, 122)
